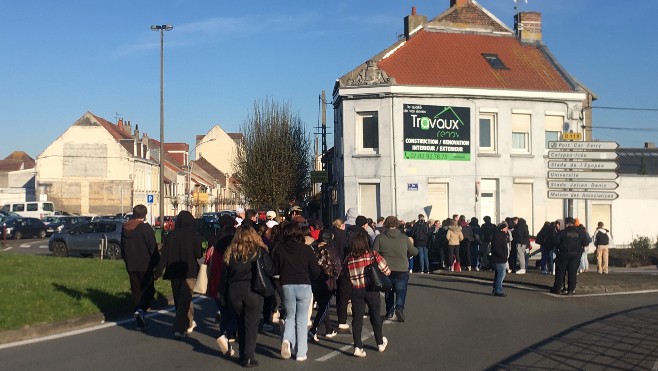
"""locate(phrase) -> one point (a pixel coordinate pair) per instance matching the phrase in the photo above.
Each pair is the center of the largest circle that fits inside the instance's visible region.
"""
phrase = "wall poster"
(437, 132)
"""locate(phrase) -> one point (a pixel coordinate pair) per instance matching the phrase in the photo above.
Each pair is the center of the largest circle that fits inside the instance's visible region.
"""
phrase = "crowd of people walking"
(279, 271)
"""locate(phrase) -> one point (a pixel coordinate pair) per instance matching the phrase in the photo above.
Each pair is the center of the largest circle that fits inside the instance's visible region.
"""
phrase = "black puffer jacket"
(181, 250)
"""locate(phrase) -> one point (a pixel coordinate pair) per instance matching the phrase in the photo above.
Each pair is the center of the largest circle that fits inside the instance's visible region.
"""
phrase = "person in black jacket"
(179, 261)
(140, 254)
(488, 229)
(324, 287)
(246, 248)
(420, 233)
(570, 245)
(520, 242)
(499, 242)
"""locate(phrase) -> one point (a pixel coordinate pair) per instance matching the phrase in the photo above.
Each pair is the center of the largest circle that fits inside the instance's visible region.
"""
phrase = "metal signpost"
(582, 170)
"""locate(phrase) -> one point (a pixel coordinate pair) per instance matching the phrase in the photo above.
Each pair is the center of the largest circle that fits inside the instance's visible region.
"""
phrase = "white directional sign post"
(582, 170)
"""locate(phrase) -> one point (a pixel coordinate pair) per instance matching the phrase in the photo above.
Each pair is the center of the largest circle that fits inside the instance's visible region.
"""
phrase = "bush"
(631, 257)
(641, 242)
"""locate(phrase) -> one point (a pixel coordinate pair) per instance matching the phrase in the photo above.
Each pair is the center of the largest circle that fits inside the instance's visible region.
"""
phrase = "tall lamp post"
(162, 29)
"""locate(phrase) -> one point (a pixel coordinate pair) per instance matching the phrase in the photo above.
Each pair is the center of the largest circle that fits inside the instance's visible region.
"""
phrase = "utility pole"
(325, 207)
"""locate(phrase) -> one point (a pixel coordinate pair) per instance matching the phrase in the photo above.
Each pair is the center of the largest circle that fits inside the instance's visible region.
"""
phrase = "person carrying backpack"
(324, 287)
(602, 242)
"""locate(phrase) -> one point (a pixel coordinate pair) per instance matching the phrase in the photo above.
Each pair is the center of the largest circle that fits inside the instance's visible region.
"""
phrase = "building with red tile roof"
(454, 117)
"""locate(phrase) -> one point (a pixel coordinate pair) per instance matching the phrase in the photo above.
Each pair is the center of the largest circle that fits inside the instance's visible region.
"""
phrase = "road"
(452, 324)
(26, 246)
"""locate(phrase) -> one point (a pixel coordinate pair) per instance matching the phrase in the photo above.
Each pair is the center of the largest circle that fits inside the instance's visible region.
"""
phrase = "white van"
(32, 209)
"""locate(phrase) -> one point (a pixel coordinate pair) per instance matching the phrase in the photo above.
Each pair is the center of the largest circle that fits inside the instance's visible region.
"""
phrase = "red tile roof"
(446, 59)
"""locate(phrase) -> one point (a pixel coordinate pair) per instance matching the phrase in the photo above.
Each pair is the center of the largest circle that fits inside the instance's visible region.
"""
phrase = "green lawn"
(39, 289)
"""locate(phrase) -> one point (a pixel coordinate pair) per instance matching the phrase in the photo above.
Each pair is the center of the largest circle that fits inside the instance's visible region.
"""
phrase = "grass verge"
(37, 289)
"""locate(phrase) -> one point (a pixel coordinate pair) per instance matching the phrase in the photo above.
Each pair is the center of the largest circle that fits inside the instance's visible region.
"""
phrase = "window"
(520, 133)
(19, 208)
(369, 200)
(487, 133)
(32, 207)
(494, 61)
(368, 132)
(553, 127)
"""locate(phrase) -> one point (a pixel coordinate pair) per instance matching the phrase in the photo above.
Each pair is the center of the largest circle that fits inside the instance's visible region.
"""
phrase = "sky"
(61, 59)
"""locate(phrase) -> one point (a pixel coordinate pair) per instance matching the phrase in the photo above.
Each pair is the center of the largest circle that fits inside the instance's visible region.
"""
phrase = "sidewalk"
(619, 280)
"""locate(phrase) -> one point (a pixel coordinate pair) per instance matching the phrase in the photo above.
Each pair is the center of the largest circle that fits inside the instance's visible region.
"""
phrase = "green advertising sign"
(437, 132)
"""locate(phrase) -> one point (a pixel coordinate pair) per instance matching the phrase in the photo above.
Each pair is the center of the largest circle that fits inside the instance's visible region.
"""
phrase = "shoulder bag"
(376, 280)
(261, 283)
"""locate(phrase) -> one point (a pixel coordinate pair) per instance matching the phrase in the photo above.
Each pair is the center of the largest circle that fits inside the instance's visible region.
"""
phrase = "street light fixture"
(162, 29)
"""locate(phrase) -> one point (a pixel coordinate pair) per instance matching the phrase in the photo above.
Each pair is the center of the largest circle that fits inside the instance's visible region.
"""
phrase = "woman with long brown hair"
(240, 260)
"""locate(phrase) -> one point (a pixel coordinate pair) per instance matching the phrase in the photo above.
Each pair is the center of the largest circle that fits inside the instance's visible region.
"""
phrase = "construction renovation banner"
(437, 132)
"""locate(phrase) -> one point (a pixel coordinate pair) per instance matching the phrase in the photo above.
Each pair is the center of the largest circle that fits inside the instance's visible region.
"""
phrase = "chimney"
(120, 123)
(136, 130)
(413, 23)
(127, 127)
(527, 26)
(649, 145)
(459, 3)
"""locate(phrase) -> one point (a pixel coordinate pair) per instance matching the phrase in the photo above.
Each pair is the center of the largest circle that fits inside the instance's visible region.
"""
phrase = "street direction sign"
(583, 195)
(591, 146)
(582, 155)
(588, 185)
(583, 165)
(592, 175)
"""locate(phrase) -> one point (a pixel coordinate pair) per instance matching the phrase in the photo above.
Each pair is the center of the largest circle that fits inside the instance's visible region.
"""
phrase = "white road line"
(603, 294)
(344, 349)
(7, 248)
(43, 246)
(103, 325)
(25, 246)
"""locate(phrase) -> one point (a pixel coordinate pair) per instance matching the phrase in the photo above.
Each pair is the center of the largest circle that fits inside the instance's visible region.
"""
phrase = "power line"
(627, 108)
(623, 129)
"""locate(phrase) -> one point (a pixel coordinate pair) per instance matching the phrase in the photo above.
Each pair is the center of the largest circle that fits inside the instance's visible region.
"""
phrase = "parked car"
(64, 222)
(18, 228)
(87, 238)
(169, 222)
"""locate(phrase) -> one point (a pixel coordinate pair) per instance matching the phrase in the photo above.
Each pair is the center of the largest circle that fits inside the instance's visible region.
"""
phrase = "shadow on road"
(620, 341)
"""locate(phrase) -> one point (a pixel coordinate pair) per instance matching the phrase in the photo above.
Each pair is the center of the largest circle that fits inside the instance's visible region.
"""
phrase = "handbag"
(261, 283)
(376, 280)
(201, 285)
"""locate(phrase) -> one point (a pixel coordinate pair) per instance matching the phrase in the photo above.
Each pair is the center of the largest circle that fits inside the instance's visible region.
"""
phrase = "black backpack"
(601, 238)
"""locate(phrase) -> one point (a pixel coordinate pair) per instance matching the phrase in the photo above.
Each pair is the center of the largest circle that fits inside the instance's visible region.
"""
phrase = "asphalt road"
(453, 323)
(32, 246)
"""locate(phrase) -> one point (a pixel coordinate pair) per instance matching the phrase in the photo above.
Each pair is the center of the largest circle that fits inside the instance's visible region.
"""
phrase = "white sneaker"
(331, 334)
(382, 346)
(224, 347)
(302, 358)
(520, 271)
(343, 326)
(359, 352)
(192, 326)
(286, 353)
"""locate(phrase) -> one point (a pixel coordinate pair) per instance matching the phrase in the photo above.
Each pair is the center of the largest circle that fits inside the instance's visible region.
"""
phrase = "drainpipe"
(394, 183)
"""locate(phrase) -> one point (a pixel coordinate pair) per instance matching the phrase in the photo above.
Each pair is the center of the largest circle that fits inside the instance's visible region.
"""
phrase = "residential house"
(17, 176)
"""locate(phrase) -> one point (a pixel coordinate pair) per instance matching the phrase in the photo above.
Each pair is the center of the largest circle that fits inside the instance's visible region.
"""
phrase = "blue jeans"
(395, 298)
(297, 299)
(499, 276)
(424, 259)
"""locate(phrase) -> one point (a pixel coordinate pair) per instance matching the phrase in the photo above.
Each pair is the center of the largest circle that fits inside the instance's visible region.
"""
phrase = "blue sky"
(60, 59)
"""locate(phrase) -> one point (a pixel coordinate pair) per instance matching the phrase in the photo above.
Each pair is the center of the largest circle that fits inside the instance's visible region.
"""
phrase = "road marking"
(7, 248)
(103, 325)
(343, 349)
(603, 294)
(25, 246)
(43, 246)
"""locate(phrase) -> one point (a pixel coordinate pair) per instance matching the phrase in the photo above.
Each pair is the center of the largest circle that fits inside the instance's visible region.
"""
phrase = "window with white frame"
(487, 134)
(520, 133)
(553, 128)
(367, 132)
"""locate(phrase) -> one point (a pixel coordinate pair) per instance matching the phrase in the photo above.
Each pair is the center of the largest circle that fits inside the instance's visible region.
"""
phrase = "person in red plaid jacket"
(361, 256)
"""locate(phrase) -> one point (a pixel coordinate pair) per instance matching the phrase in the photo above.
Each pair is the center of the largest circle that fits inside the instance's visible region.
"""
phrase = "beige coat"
(454, 236)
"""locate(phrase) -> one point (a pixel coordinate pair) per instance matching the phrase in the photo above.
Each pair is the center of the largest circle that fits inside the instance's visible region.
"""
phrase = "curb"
(46, 329)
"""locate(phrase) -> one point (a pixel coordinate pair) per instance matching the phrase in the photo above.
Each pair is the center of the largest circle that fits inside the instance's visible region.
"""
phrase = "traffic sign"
(584, 195)
(149, 199)
(593, 175)
(582, 155)
(589, 185)
(572, 136)
(592, 146)
(319, 177)
(583, 165)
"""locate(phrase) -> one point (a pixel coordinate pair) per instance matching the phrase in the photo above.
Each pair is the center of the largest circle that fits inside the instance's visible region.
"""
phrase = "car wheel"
(18, 235)
(113, 251)
(42, 234)
(59, 249)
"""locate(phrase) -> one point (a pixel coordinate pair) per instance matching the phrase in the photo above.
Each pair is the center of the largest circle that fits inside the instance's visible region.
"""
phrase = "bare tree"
(273, 161)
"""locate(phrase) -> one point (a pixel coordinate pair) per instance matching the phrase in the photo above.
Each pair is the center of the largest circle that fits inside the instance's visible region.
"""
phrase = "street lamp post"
(162, 29)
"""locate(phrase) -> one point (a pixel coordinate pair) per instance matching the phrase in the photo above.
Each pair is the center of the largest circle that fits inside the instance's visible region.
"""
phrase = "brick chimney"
(127, 127)
(413, 23)
(527, 26)
(459, 3)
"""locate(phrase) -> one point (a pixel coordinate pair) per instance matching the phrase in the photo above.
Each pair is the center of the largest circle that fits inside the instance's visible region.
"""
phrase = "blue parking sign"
(149, 199)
